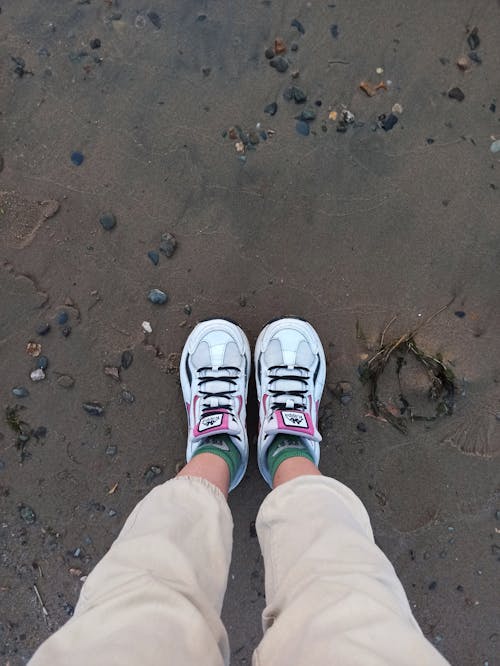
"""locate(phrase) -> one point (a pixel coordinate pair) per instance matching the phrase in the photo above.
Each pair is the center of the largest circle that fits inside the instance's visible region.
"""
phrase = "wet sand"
(346, 229)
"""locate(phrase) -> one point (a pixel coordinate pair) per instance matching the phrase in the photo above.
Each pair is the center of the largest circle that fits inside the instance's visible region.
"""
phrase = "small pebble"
(157, 296)
(42, 362)
(112, 371)
(146, 327)
(252, 530)
(127, 359)
(308, 115)
(388, 122)
(497, 514)
(473, 39)
(93, 408)
(456, 93)
(77, 158)
(128, 396)
(66, 331)
(111, 513)
(296, 94)
(493, 107)
(302, 127)
(27, 514)
(66, 381)
(154, 257)
(62, 318)
(297, 24)
(279, 63)
(495, 146)
(155, 19)
(95, 43)
(168, 244)
(269, 53)
(433, 585)
(152, 472)
(271, 108)
(361, 427)
(294, 47)
(108, 221)
(460, 314)
(42, 329)
(342, 391)
(334, 31)
(39, 433)
(111, 450)
(187, 309)
(20, 392)
(69, 609)
(37, 375)
(242, 300)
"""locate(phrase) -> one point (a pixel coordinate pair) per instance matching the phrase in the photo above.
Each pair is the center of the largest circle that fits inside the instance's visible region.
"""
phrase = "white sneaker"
(214, 370)
(290, 370)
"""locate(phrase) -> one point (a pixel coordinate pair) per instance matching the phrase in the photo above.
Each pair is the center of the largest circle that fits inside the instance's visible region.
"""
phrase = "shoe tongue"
(292, 422)
(216, 422)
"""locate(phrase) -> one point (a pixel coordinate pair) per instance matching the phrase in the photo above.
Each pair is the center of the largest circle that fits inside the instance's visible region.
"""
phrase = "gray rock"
(107, 221)
(279, 63)
(127, 359)
(128, 396)
(168, 244)
(93, 408)
(27, 514)
(42, 362)
(152, 472)
(20, 392)
(111, 450)
(157, 296)
(37, 375)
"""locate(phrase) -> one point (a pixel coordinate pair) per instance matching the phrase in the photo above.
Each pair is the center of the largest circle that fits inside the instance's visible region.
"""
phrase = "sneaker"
(215, 367)
(290, 369)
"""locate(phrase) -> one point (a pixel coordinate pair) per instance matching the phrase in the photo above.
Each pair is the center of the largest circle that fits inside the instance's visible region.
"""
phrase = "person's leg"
(156, 596)
(332, 595)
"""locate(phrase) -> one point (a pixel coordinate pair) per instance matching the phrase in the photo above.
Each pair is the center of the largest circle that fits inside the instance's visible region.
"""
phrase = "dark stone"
(68, 608)
(294, 47)
(128, 396)
(155, 19)
(302, 127)
(433, 585)
(152, 472)
(42, 362)
(334, 31)
(307, 115)
(388, 122)
(206, 71)
(27, 514)
(497, 514)
(66, 331)
(127, 359)
(269, 53)
(77, 158)
(342, 391)
(39, 433)
(473, 39)
(111, 450)
(460, 314)
(154, 257)
(297, 24)
(93, 408)
(475, 57)
(157, 297)
(168, 244)
(493, 107)
(460, 588)
(430, 141)
(456, 93)
(271, 108)
(279, 63)
(296, 94)
(20, 392)
(95, 43)
(20, 66)
(116, 16)
(253, 138)
(42, 329)
(361, 427)
(252, 530)
(242, 300)
(62, 317)
(107, 221)
(201, 17)
(318, 102)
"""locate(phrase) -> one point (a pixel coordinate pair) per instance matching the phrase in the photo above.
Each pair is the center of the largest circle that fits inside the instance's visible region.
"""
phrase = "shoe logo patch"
(295, 419)
(211, 421)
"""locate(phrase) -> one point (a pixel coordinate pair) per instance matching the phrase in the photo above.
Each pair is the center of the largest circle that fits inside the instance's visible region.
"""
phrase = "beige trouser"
(333, 598)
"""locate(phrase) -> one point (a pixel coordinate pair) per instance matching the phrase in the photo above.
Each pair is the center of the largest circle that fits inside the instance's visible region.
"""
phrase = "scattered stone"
(297, 24)
(460, 314)
(37, 375)
(66, 381)
(279, 63)
(206, 71)
(113, 372)
(473, 39)
(27, 514)
(342, 391)
(495, 146)
(111, 513)
(168, 244)
(334, 31)
(294, 47)
(433, 585)
(187, 309)
(397, 108)
(155, 19)
(346, 118)
(296, 94)
(42, 329)
(42, 362)
(95, 43)
(361, 427)
(20, 392)
(242, 300)
(62, 318)
(128, 396)
(127, 359)
(475, 57)
(492, 107)
(253, 138)
(107, 221)
(93, 408)
(308, 115)
(463, 63)
(252, 530)
(111, 450)
(456, 93)
(271, 108)
(157, 297)
(20, 67)
(68, 608)
(279, 46)
(39, 433)
(34, 349)
(387, 122)
(302, 127)
(154, 257)
(146, 327)
(77, 158)
(269, 53)
(497, 514)
(66, 331)
(152, 472)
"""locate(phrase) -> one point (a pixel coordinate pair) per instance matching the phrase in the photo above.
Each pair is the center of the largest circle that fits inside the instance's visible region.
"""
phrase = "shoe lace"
(288, 387)
(210, 383)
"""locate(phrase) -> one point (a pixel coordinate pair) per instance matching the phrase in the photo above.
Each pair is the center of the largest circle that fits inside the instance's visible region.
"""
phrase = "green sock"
(222, 446)
(283, 447)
